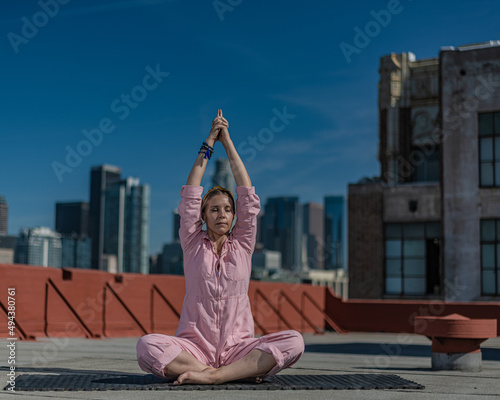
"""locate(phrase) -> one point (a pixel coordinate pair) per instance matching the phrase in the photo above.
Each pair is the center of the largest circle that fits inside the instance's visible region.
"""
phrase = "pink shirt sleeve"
(190, 213)
(247, 209)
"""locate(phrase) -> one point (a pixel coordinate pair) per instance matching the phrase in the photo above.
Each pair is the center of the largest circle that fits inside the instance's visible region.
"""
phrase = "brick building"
(429, 227)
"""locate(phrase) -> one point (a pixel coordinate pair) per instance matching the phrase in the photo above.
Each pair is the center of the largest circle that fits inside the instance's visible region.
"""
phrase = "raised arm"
(237, 167)
(200, 165)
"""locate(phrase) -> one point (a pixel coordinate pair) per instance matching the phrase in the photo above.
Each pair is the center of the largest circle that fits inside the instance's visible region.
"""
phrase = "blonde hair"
(216, 190)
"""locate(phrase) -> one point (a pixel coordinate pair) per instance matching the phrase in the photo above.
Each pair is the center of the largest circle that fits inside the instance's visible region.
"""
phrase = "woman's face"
(219, 214)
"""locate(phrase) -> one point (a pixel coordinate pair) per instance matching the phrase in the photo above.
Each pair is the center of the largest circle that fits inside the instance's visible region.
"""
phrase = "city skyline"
(73, 222)
(298, 84)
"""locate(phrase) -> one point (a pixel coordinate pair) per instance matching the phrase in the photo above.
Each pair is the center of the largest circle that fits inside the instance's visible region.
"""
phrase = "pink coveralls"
(216, 324)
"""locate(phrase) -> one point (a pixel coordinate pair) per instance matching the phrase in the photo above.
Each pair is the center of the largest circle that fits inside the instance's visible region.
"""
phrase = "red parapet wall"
(398, 316)
(87, 303)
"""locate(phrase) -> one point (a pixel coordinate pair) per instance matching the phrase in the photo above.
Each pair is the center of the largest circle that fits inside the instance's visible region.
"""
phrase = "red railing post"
(153, 288)
(303, 316)
(125, 307)
(274, 309)
(326, 317)
(18, 326)
(88, 332)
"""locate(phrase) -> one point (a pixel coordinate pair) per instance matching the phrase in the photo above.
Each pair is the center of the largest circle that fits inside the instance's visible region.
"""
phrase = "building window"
(489, 149)
(490, 257)
(412, 258)
(426, 169)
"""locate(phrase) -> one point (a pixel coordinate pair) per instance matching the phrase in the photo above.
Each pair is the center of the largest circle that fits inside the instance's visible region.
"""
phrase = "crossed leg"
(253, 365)
(252, 358)
(180, 359)
(182, 363)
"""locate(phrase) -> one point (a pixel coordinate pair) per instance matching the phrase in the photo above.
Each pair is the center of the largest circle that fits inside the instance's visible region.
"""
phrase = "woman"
(215, 341)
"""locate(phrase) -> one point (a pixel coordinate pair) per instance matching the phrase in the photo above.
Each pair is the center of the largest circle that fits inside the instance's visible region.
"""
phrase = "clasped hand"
(219, 131)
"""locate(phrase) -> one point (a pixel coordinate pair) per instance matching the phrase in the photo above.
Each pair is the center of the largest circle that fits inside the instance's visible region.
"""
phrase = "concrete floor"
(405, 355)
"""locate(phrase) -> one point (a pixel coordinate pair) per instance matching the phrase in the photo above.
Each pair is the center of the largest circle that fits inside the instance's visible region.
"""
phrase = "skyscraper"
(334, 238)
(38, 246)
(4, 214)
(223, 175)
(100, 178)
(72, 218)
(282, 230)
(126, 224)
(176, 224)
(172, 259)
(76, 251)
(7, 249)
(314, 232)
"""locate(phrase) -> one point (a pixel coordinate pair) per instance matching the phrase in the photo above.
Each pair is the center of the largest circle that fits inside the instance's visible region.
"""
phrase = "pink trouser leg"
(286, 347)
(155, 351)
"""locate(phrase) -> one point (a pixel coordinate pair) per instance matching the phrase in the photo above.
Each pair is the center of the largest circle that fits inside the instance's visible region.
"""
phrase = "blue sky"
(74, 71)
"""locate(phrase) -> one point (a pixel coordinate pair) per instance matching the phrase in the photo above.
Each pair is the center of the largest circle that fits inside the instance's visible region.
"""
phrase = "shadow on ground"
(374, 349)
(384, 349)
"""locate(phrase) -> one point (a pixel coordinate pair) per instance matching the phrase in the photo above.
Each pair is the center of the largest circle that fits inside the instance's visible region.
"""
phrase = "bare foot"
(206, 377)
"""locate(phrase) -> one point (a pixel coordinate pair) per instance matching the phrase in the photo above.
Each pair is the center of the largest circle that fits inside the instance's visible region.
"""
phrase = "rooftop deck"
(405, 355)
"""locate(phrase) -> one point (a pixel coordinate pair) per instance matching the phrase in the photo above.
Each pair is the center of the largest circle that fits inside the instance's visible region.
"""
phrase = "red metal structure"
(456, 333)
(456, 340)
